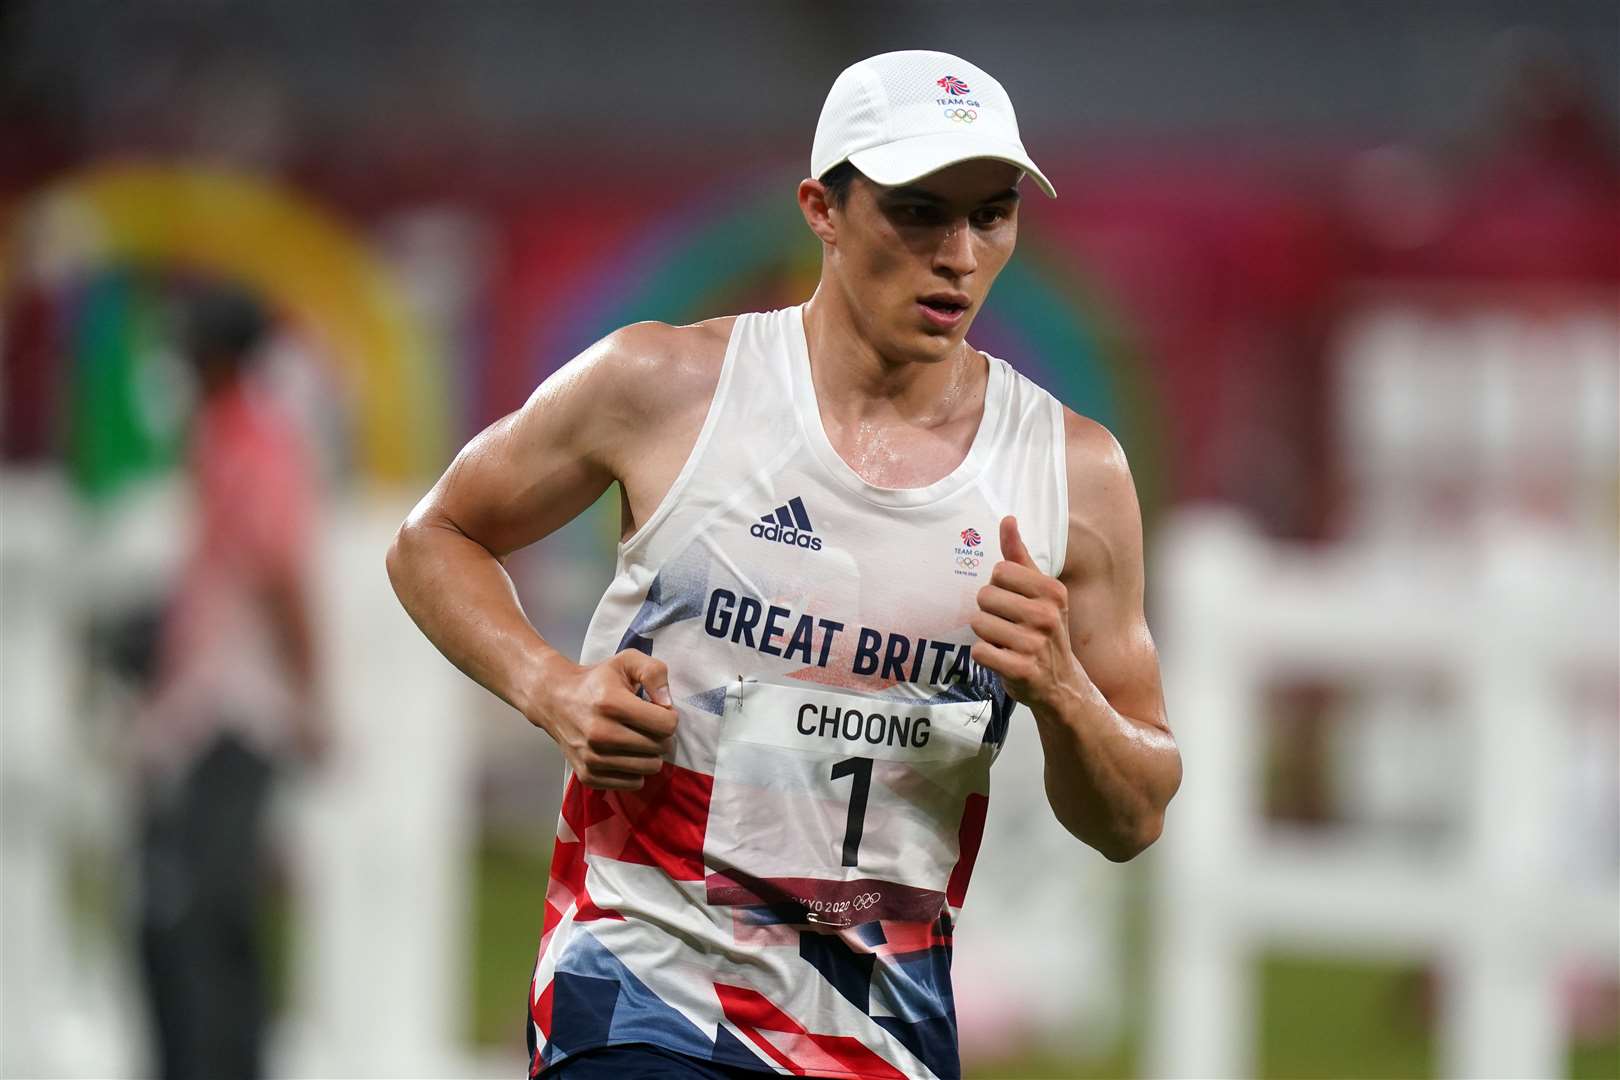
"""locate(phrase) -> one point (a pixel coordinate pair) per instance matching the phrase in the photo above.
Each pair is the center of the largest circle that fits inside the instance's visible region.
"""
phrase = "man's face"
(917, 261)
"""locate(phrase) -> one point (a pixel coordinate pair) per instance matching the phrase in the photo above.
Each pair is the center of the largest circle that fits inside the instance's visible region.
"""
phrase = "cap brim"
(906, 160)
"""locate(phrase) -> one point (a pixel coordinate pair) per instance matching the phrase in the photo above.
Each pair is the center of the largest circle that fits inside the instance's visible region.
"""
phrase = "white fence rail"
(1501, 908)
(380, 843)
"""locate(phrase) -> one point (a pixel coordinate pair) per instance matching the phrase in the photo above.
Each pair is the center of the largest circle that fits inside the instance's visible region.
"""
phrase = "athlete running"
(851, 543)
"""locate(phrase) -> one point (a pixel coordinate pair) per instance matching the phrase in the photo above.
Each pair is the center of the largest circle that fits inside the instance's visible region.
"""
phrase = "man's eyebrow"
(910, 191)
(922, 194)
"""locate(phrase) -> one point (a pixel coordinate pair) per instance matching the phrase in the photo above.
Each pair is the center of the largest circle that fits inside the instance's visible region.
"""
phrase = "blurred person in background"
(235, 690)
(744, 878)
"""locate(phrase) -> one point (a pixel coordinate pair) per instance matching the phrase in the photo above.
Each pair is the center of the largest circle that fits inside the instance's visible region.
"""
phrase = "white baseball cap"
(902, 115)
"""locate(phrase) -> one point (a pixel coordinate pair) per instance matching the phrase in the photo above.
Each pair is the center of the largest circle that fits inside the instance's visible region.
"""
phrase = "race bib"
(835, 809)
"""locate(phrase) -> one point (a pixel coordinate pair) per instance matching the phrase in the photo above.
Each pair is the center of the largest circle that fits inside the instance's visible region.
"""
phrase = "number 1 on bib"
(860, 769)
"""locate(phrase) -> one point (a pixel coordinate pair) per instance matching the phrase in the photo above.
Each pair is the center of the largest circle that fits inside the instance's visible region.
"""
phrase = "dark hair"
(224, 319)
(224, 325)
(838, 180)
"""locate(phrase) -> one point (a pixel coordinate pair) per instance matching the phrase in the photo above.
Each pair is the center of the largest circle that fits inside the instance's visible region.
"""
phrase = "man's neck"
(855, 381)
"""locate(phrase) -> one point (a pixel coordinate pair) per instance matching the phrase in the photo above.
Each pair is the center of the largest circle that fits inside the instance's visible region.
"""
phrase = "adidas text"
(789, 535)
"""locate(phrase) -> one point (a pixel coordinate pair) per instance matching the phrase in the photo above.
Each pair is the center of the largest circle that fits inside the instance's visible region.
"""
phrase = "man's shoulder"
(1102, 495)
(644, 386)
(1091, 448)
(656, 368)
(663, 362)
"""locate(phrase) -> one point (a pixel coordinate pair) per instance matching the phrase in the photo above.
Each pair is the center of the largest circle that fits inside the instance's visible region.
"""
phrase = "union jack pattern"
(953, 86)
(782, 896)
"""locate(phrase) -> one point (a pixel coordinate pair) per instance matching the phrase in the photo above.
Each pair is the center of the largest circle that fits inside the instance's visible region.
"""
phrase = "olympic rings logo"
(962, 116)
(865, 900)
(968, 562)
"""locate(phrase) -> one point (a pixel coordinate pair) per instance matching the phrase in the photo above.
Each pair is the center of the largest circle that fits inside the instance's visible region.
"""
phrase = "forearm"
(295, 629)
(464, 601)
(1108, 776)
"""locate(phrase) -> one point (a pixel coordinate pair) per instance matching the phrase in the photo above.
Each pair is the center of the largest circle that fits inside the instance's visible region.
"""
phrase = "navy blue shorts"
(642, 1061)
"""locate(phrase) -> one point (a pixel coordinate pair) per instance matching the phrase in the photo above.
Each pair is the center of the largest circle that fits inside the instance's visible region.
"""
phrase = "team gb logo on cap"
(958, 106)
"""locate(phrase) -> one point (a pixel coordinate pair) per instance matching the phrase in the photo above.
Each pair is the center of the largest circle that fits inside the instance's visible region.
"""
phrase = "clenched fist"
(613, 737)
(1023, 626)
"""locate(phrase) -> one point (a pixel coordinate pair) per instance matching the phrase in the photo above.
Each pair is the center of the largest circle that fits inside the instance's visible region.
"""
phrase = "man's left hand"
(1023, 628)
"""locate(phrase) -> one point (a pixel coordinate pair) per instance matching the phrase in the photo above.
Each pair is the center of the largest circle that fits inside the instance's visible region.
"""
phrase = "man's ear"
(817, 210)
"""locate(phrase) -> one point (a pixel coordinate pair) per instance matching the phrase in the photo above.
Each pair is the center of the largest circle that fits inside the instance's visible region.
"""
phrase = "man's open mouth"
(946, 305)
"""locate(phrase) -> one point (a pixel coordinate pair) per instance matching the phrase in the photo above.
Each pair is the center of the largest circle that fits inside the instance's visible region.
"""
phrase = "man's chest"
(800, 582)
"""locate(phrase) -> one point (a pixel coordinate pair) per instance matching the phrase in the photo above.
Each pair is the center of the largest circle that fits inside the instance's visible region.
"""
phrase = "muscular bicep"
(1104, 574)
(534, 470)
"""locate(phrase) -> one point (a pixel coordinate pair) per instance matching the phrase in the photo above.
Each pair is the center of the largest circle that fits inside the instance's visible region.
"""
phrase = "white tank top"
(782, 895)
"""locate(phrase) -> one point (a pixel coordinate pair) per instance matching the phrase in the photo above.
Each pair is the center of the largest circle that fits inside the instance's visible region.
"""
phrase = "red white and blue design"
(782, 895)
(971, 537)
(953, 86)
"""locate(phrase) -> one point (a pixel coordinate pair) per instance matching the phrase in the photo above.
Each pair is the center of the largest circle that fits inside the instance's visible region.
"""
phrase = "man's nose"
(955, 252)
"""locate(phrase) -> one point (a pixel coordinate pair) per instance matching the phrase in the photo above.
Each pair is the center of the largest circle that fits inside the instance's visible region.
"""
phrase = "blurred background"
(1343, 278)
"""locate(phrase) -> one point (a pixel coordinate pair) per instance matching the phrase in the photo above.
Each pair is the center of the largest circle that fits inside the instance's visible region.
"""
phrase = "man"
(236, 688)
(850, 542)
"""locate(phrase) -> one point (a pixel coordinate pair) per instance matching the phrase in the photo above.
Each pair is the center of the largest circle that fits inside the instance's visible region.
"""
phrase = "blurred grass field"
(1321, 1018)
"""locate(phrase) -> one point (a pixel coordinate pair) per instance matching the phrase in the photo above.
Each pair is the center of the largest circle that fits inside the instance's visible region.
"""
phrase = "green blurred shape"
(1361, 1019)
(508, 908)
(1042, 1067)
(1597, 1060)
(123, 410)
(1339, 1019)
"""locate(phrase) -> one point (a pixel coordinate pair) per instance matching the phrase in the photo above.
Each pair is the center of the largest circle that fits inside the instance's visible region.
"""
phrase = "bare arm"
(519, 480)
(286, 597)
(1077, 651)
(522, 478)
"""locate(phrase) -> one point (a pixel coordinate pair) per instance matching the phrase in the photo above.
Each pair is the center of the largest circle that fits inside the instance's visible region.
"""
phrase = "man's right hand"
(612, 737)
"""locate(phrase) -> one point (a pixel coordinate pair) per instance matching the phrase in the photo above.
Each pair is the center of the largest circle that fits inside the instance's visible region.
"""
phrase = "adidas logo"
(788, 525)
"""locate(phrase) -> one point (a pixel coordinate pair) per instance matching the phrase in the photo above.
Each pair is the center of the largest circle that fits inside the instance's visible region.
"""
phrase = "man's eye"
(918, 214)
(989, 216)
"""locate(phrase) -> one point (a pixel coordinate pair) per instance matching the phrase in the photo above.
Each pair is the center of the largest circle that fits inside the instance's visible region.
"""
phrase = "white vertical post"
(1203, 989)
(1501, 996)
(35, 759)
(385, 836)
